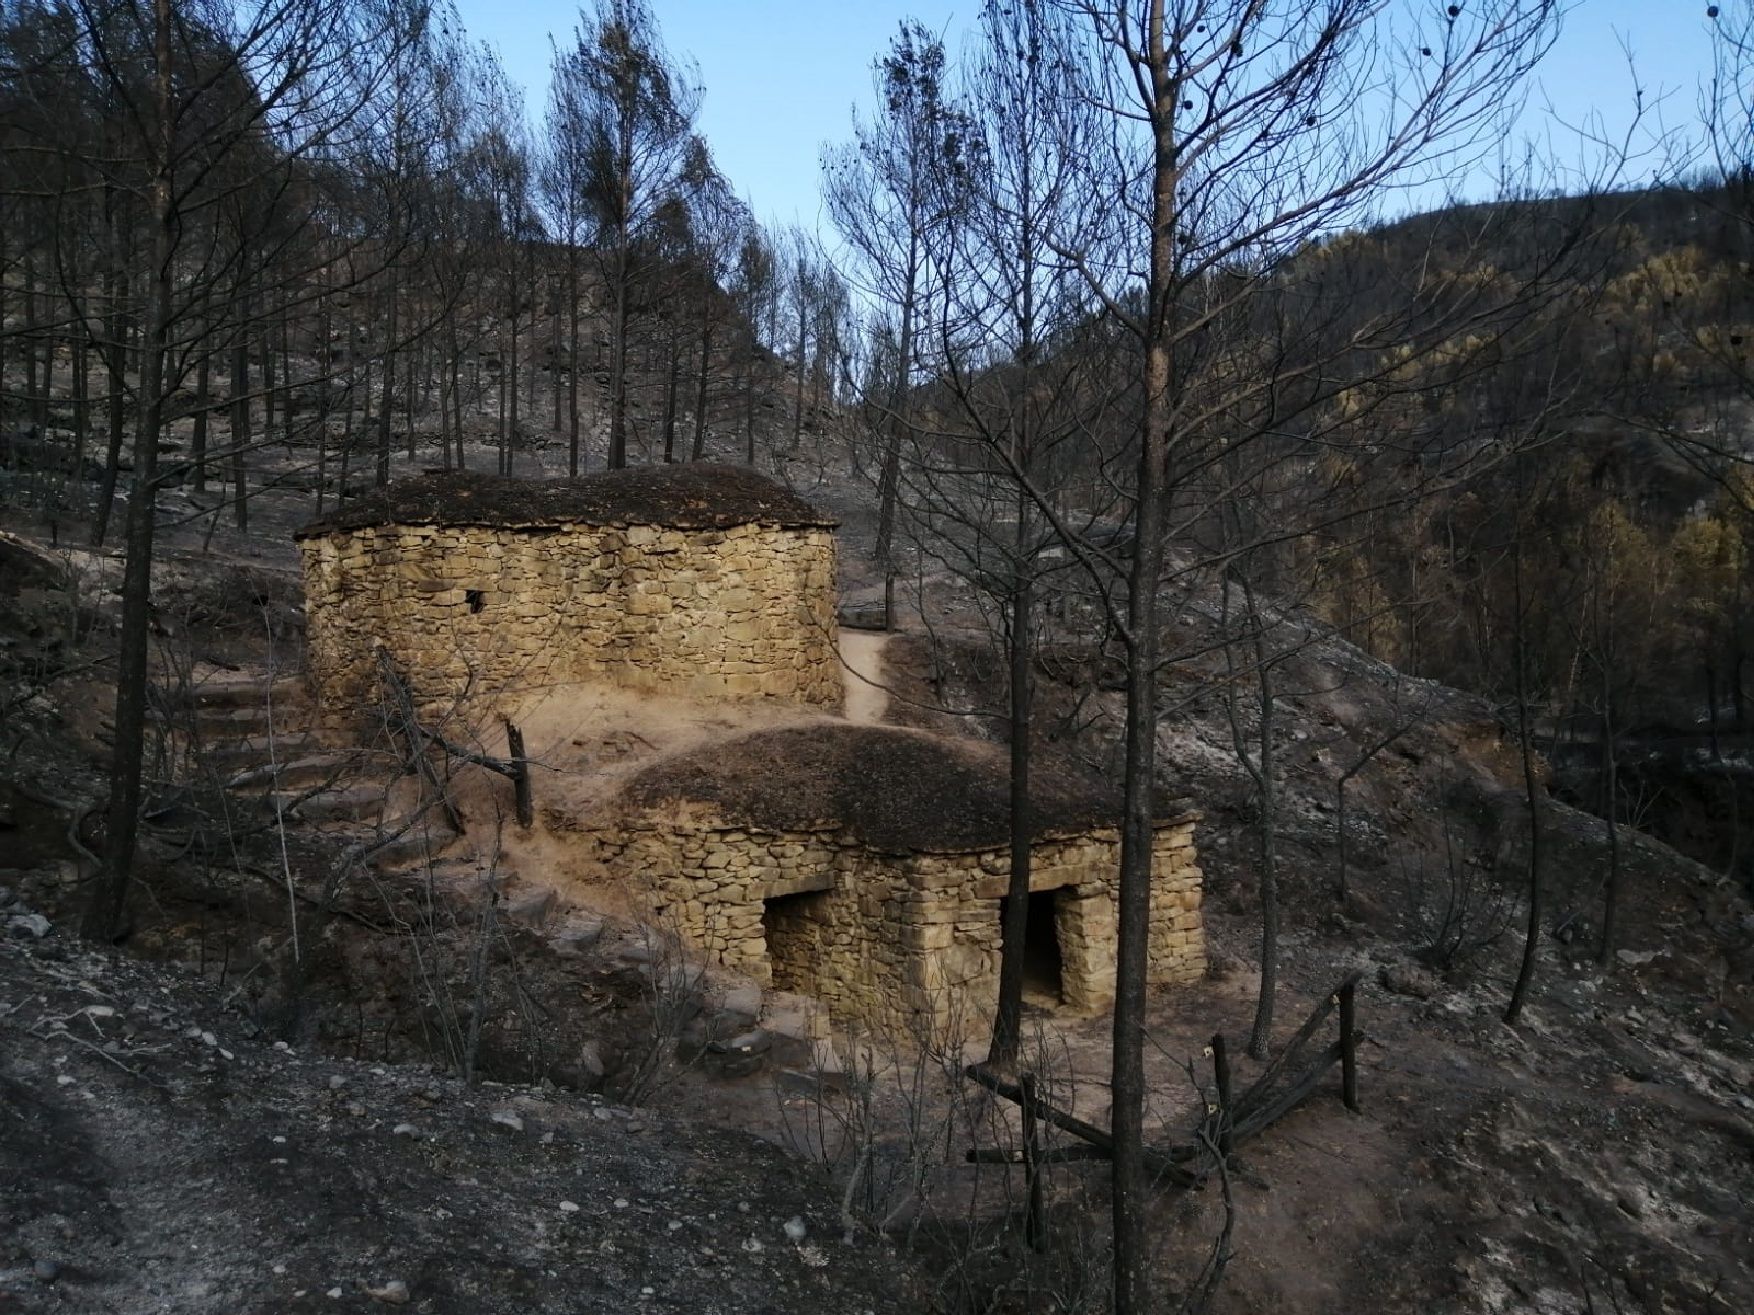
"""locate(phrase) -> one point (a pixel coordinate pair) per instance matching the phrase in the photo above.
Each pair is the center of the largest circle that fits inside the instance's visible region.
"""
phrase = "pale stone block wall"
(903, 944)
(743, 612)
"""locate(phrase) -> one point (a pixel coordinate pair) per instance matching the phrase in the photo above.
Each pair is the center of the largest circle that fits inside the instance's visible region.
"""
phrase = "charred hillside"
(1139, 738)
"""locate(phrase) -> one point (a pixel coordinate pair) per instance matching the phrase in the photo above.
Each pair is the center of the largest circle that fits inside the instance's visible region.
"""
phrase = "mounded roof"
(695, 495)
(898, 791)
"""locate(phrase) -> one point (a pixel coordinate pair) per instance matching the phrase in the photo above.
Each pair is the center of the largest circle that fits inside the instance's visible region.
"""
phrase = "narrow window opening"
(475, 598)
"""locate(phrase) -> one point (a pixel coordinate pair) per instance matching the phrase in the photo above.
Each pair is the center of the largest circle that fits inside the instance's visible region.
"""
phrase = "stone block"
(931, 936)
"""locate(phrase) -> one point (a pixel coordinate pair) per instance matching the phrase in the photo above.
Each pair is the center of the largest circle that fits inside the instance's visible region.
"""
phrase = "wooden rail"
(1096, 1138)
(1283, 1084)
(515, 768)
(1231, 1119)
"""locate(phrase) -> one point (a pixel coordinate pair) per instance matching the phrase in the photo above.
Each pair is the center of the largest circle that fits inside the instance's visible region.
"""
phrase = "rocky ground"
(158, 1154)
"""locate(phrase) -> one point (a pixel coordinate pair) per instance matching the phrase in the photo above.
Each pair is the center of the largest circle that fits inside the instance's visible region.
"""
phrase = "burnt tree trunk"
(698, 450)
(116, 358)
(1130, 1186)
(1261, 1034)
(105, 909)
(386, 411)
(572, 360)
(240, 423)
(1013, 935)
(672, 384)
(621, 316)
(1532, 792)
(510, 375)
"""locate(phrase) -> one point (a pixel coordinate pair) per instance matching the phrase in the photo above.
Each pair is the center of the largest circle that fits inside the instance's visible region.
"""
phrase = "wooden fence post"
(1349, 1044)
(520, 774)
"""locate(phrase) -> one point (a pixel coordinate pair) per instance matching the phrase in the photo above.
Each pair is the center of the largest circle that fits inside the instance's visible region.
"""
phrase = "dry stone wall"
(903, 944)
(742, 612)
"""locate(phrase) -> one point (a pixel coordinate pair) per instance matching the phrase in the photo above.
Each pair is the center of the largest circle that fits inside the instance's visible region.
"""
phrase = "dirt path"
(867, 697)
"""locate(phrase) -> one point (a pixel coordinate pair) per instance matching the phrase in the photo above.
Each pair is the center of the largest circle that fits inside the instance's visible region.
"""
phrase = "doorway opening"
(794, 927)
(1042, 966)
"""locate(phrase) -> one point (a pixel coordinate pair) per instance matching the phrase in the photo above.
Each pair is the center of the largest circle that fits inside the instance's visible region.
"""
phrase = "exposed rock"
(393, 1293)
(530, 907)
(741, 1001)
(580, 933)
(638, 952)
(736, 1066)
(1404, 979)
(590, 1062)
(28, 926)
(755, 1042)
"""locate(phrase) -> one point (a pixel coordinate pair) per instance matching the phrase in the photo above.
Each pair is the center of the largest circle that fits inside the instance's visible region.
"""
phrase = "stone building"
(868, 866)
(706, 581)
(865, 865)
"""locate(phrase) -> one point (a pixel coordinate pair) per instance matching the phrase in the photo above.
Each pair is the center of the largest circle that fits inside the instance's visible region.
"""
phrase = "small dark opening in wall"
(474, 598)
(1041, 949)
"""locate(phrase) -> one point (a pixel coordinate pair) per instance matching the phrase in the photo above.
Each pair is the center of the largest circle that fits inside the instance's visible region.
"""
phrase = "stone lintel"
(802, 884)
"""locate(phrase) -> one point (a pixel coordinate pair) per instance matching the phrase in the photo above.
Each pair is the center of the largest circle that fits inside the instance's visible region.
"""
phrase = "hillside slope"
(1605, 1147)
(161, 1156)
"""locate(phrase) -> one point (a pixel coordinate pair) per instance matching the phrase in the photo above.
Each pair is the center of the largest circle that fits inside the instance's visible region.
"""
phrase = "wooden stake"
(520, 775)
(1221, 1073)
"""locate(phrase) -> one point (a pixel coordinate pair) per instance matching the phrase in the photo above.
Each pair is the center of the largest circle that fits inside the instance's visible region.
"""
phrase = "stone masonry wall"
(903, 944)
(747, 611)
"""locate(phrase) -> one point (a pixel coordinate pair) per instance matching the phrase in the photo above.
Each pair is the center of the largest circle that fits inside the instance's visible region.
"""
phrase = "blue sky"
(781, 76)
